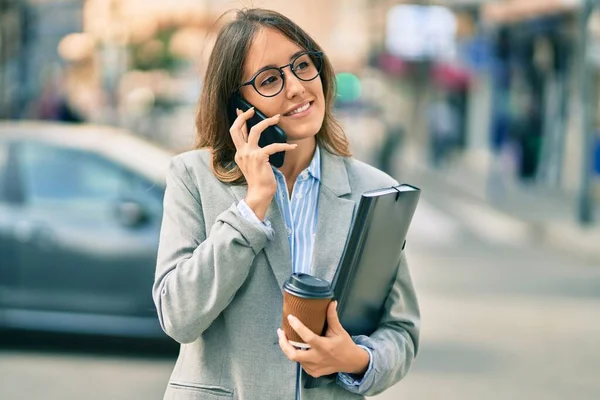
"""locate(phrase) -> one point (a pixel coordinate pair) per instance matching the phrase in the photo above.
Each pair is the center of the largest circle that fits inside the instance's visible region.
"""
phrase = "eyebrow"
(296, 54)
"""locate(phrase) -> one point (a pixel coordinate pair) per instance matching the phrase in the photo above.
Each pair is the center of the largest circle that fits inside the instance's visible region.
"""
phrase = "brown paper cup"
(312, 313)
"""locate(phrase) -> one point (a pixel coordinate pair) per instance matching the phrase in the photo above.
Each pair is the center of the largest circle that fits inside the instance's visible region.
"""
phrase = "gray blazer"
(218, 287)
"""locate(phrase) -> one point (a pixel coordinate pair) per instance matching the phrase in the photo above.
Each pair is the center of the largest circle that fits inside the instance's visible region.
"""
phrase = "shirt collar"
(314, 168)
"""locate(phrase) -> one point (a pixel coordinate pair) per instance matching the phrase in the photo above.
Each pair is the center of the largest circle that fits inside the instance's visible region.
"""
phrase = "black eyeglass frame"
(318, 54)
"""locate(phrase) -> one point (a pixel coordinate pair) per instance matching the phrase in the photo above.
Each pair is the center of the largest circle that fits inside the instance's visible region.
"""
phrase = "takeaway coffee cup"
(306, 297)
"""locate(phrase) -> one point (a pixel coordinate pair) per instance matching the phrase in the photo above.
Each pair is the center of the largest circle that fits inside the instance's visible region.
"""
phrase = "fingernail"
(277, 116)
(335, 305)
(291, 319)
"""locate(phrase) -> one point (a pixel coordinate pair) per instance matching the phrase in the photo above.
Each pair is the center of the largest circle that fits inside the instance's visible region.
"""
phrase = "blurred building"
(29, 61)
(511, 81)
(138, 63)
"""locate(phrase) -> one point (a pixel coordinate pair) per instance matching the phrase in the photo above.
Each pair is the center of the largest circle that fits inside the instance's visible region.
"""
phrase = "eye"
(269, 80)
(302, 65)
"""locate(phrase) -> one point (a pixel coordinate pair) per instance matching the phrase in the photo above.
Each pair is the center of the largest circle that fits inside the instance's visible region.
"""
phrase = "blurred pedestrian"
(235, 228)
(444, 130)
(54, 104)
(390, 148)
(526, 131)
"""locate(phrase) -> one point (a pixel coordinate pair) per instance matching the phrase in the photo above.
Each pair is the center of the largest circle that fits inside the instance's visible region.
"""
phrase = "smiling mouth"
(299, 109)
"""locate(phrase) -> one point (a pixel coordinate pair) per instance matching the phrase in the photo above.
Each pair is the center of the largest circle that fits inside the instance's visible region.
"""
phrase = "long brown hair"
(224, 75)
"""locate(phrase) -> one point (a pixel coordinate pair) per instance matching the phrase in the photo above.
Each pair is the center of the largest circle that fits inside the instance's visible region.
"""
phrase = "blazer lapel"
(278, 249)
(335, 216)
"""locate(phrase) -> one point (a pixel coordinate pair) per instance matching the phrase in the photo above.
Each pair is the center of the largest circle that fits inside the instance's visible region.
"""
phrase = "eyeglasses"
(269, 82)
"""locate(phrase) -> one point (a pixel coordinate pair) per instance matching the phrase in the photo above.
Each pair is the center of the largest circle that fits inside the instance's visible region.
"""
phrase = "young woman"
(235, 228)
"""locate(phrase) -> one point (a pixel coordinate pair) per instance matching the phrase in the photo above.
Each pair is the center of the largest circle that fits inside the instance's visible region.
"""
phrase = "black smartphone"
(273, 133)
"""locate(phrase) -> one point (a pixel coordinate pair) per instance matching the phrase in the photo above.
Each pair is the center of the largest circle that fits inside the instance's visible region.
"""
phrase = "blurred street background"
(490, 106)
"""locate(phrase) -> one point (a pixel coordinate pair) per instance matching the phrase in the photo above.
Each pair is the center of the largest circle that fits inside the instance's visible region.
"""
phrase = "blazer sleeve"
(197, 275)
(395, 343)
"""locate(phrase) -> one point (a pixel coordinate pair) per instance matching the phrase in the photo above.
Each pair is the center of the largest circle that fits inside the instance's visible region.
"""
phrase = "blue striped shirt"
(300, 212)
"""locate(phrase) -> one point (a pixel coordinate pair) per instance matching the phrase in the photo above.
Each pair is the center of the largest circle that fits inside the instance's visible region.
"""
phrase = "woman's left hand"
(335, 352)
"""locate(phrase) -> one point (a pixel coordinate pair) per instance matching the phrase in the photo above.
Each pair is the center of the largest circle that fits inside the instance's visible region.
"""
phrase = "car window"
(142, 190)
(54, 173)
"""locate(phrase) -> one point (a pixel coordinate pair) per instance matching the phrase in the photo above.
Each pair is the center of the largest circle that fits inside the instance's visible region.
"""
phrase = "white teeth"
(299, 109)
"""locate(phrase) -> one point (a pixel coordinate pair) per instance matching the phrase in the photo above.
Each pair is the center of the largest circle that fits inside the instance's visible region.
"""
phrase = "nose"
(293, 85)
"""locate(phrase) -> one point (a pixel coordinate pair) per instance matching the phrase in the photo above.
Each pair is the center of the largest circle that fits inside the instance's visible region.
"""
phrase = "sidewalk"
(537, 215)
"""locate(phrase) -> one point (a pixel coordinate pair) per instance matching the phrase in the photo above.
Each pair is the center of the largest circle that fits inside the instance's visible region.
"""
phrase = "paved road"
(47, 367)
(500, 320)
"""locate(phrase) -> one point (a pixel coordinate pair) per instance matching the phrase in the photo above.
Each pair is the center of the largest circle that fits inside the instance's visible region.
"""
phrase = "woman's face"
(272, 48)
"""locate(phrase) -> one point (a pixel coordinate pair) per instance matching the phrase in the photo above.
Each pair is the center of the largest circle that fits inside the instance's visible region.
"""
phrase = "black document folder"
(370, 261)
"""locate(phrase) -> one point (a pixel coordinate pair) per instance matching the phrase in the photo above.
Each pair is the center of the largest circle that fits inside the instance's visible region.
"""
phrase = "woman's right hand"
(253, 160)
